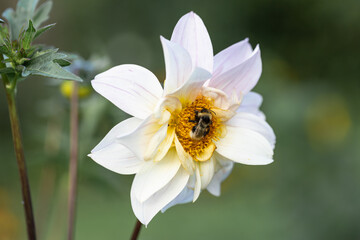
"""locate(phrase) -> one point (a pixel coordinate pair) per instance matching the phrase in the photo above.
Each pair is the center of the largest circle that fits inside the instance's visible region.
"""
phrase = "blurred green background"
(310, 84)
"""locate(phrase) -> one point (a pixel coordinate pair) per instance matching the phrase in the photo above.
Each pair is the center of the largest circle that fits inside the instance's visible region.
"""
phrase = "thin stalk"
(19, 152)
(136, 230)
(74, 129)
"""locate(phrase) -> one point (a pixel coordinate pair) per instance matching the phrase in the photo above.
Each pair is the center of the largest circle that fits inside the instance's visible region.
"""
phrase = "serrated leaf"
(29, 35)
(43, 29)
(43, 64)
(42, 13)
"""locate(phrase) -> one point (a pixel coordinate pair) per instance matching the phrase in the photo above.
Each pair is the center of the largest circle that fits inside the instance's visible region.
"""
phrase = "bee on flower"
(184, 138)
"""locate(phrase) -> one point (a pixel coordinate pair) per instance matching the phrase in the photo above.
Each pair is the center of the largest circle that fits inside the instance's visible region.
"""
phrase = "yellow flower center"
(197, 126)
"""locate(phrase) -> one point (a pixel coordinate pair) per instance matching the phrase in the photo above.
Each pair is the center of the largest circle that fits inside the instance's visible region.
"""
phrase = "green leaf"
(4, 50)
(43, 64)
(7, 60)
(29, 36)
(43, 29)
(42, 13)
(7, 70)
(25, 10)
(9, 14)
(26, 7)
(62, 62)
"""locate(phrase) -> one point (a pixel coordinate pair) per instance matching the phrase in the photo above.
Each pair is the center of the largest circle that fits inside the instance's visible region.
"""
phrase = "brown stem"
(73, 160)
(19, 152)
(136, 230)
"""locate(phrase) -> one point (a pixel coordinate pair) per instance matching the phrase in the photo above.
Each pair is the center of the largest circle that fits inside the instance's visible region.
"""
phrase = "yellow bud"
(66, 89)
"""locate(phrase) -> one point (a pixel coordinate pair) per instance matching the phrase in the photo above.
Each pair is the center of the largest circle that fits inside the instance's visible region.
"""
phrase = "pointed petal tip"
(191, 33)
(190, 14)
(257, 48)
(196, 196)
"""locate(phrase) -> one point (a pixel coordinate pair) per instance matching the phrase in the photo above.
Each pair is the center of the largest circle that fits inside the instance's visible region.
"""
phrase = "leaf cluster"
(26, 10)
(19, 56)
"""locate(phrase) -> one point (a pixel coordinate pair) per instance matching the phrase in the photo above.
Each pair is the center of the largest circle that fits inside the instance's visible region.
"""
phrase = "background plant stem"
(136, 230)
(19, 152)
(73, 160)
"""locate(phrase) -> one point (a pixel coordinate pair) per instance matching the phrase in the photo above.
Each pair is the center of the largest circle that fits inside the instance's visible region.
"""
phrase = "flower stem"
(19, 152)
(74, 129)
(136, 230)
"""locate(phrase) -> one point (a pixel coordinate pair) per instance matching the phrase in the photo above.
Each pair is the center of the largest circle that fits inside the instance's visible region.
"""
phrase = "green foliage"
(43, 29)
(46, 63)
(22, 58)
(42, 13)
(7, 70)
(25, 11)
(3, 32)
(28, 36)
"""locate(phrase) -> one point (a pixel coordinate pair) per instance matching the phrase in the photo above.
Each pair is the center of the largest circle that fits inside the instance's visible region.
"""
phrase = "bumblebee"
(203, 122)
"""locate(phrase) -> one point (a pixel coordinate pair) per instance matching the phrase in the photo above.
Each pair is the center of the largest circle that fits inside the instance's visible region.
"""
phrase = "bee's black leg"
(196, 116)
(193, 129)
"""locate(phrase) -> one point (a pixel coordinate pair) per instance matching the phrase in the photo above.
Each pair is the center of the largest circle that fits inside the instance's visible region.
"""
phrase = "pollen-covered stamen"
(193, 130)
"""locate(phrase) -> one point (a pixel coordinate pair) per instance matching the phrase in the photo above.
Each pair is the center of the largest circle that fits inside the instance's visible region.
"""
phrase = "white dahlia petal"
(232, 56)
(114, 156)
(191, 89)
(207, 170)
(131, 88)
(155, 175)
(186, 160)
(123, 128)
(254, 123)
(178, 65)
(220, 98)
(251, 103)
(146, 138)
(145, 211)
(165, 144)
(245, 146)
(224, 167)
(117, 158)
(191, 33)
(197, 184)
(185, 196)
(242, 78)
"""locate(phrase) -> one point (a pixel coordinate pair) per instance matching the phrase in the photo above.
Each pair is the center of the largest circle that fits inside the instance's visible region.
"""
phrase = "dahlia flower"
(184, 138)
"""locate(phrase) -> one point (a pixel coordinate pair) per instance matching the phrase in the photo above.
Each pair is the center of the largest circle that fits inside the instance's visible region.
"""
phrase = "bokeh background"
(310, 84)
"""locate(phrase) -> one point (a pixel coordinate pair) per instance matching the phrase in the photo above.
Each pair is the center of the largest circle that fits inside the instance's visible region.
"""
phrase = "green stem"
(74, 129)
(19, 152)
